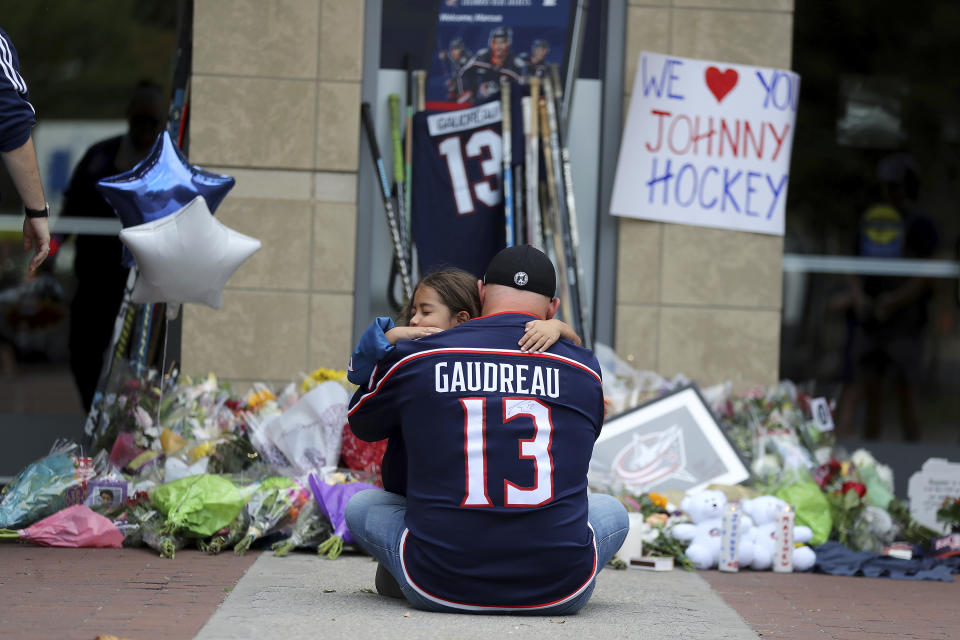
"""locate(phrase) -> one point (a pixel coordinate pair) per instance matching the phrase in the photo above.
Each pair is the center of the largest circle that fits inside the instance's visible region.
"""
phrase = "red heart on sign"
(721, 83)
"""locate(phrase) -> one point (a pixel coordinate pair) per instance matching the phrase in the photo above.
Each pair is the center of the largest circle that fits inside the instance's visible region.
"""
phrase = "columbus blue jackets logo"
(520, 278)
(649, 459)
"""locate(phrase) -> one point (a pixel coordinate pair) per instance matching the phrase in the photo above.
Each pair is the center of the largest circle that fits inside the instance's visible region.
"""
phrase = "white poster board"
(927, 488)
(707, 144)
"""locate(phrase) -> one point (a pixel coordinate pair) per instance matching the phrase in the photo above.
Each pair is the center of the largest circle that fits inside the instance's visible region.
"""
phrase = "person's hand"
(539, 336)
(409, 333)
(36, 236)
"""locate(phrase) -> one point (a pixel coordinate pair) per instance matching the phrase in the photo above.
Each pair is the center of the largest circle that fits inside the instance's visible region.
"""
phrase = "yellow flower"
(202, 450)
(257, 399)
(322, 375)
(658, 500)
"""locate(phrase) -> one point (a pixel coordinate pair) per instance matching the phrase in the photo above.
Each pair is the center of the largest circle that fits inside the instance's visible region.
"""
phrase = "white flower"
(648, 533)
(862, 458)
(209, 385)
(823, 455)
(766, 465)
(878, 521)
(885, 474)
(145, 422)
(207, 431)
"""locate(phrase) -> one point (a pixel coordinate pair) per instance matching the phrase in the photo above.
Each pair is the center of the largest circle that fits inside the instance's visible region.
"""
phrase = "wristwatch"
(38, 213)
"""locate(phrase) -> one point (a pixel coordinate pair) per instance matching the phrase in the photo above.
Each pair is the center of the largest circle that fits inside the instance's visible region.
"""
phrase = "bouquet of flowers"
(275, 503)
(75, 526)
(332, 499)
(657, 520)
(774, 431)
(198, 506)
(46, 486)
(310, 530)
(142, 524)
(226, 537)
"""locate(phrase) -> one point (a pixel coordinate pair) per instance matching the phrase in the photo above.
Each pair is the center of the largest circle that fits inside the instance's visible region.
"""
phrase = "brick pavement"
(804, 605)
(80, 593)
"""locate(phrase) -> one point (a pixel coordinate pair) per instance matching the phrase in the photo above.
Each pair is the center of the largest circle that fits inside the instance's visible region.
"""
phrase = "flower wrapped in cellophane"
(46, 486)
(311, 529)
(75, 526)
(226, 537)
(142, 524)
(275, 503)
(198, 506)
(332, 499)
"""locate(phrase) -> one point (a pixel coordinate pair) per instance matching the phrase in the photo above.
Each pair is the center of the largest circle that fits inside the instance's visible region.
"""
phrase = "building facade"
(276, 90)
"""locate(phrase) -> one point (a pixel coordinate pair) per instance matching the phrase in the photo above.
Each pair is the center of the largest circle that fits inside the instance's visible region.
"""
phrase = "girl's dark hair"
(457, 289)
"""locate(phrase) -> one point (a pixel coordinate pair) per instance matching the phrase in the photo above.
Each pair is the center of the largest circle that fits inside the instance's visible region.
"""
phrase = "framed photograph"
(672, 442)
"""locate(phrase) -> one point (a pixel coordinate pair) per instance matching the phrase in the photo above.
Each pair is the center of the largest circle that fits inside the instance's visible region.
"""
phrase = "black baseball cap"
(525, 268)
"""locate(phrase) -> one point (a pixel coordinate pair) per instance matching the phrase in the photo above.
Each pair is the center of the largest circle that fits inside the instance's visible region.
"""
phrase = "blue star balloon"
(159, 185)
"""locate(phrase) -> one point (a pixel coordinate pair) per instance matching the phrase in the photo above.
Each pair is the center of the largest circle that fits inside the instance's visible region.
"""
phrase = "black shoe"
(387, 584)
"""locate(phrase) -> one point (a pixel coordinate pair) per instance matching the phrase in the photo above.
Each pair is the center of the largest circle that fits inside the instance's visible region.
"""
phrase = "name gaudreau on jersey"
(452, 122)
(535, 380)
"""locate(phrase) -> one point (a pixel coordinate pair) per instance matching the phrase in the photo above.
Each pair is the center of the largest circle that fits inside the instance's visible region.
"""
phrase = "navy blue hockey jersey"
(457, 200)
(498, 444)
(16, 113)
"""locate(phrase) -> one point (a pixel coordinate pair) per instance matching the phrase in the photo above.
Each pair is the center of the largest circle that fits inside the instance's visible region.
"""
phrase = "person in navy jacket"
(17, 118)
(497, 517)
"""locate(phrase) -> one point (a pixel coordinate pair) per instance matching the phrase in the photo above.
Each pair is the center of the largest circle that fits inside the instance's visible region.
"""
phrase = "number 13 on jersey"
(484, 145)
(536, 449)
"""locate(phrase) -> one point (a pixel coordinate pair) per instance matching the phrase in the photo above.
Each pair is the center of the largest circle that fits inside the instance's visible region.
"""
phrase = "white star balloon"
(187, 256)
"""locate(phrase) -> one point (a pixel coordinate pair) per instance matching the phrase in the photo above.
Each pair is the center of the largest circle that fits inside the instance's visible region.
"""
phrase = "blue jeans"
(376, 521)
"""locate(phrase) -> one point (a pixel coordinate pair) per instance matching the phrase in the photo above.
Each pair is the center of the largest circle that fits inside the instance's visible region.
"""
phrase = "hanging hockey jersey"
(498, 443)
(457, 199)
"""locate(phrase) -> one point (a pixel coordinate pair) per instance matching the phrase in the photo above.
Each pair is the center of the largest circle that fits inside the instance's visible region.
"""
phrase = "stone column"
(692, 300)
(275, 103)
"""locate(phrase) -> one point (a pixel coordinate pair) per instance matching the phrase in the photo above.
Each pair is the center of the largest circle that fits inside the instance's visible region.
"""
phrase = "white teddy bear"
(705, 509)
(763, 511)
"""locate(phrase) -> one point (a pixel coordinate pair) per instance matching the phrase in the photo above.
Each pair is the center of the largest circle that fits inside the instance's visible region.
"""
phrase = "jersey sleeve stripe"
(6, 63)
(486, 607)
(458, 350)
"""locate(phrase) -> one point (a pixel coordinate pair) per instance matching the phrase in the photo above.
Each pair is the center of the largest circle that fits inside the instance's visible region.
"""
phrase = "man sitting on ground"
(497, 517)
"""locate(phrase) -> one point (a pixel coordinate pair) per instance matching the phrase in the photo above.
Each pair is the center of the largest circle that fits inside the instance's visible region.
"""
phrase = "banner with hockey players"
(478, 41)
(707, 144)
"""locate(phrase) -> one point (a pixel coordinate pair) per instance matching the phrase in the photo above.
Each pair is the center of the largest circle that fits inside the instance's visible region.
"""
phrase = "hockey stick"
(387, 203)
(398, 175)
(421, 90)
(506, 146)
(519, 224)
(393, 297)
(571, 226)
(408, 159)
(553, 213)
(561, 221)
(532, 161)
(565, 92)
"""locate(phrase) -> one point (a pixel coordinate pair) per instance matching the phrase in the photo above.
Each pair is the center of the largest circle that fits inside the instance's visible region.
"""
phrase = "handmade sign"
(707, 144)
(672, 442)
